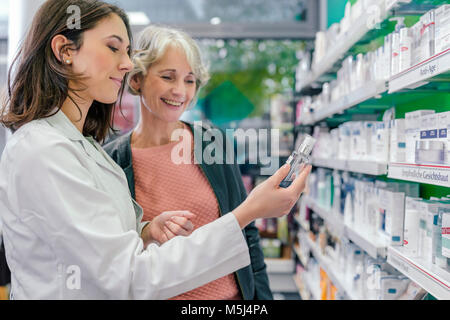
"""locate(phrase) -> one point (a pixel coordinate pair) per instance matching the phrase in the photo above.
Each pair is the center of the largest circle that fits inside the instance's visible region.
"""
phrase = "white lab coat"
(71, 229)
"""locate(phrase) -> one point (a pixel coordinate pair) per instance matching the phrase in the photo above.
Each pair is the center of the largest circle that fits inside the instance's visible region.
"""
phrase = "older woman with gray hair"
(167, 76)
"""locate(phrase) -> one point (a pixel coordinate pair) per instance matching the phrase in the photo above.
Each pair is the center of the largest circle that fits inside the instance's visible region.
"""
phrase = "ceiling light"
(138, 18)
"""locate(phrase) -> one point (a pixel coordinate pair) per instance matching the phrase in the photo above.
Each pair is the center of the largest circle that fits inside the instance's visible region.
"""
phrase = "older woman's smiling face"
(169, 86)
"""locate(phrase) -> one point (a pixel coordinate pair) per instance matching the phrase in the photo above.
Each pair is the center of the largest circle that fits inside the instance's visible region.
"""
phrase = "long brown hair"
(41, 81)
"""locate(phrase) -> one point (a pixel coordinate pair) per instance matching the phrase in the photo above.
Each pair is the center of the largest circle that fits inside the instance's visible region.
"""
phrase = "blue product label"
(383, 219)
(396, 238)
(443, 133)
(392, 291)
(432, 133)
(402, 145)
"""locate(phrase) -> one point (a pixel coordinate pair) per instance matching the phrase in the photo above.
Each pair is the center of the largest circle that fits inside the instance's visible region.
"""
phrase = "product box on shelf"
(397, 143)
(412, 132)
(411, 226)
(442, 16)
(437, 258)
(392, 206)
(444, 133)
(426, 40)
(446, 234)
(431, 148)
(380, 141)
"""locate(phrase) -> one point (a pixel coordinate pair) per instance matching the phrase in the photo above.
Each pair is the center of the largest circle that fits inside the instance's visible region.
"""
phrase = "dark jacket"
(226, 181)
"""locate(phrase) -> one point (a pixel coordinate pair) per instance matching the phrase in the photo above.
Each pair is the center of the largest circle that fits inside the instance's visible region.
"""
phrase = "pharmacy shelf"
(430, 277)
(358, 166)
(359, 28)
(328, 215)
(430, 174)
(375, 247)
(370, 90)
(302, 223)
(312, 287)
(330, 268)
(421, 73)
(300, 255)
(300, 287)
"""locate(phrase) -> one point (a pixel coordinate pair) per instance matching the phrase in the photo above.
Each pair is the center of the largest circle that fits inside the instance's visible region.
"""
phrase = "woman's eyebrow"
(116, 37)
(173, 70)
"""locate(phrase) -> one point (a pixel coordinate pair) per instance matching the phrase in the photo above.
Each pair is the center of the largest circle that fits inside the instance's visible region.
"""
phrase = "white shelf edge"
(419, 74)
(359, 166)
(373, 246)
(364, 93)
(431, 278)
(438, 175)
(280, 266)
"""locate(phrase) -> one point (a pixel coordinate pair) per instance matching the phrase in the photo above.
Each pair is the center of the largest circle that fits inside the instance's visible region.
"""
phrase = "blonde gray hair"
(153, 43)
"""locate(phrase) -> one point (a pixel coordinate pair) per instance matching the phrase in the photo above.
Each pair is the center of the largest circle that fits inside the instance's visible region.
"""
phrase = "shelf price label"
(432, 175)
(429, 70)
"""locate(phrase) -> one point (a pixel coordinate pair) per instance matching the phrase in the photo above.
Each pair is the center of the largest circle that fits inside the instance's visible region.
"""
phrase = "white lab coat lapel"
(66, 127)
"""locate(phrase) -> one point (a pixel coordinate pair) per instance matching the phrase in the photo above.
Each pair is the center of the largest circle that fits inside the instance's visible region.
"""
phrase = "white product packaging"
(392, 287)
(445, 234)
(397, 143)
(344, 141)
(428, 210)
(437, 257)
(387, 56)
(380, 141)
(405, 49)
(431, 149)
(442, 16)
(426, 42)
(366, 148)
(412, 132)
(355, 145)
(393, 206)
(444, 133)
(395, 53)
(411, 229)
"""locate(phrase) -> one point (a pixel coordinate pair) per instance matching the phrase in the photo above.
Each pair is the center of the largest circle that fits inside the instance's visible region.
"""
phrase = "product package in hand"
(298, 159)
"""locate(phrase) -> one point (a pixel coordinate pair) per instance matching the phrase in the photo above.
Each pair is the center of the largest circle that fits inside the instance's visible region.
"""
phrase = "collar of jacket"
(62, 123)
(122, 154)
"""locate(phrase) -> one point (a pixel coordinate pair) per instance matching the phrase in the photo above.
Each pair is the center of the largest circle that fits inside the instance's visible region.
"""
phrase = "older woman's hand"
(167, 225)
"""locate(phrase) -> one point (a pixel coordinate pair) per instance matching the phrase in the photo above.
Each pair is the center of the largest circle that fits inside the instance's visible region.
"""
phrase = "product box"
(344, 141)
(397, 145)
(430, 149)
(392, 287)
(444, 133)
(429, 209)
(446, 234)
(392, 205)
(412, 132)
(442, 28)
(438, 259)
(411, 226)
(426, 40)
(382, 142)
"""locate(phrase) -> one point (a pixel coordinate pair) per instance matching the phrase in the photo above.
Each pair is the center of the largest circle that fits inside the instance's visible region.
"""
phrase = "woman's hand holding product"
(269, 200)
(168, 225)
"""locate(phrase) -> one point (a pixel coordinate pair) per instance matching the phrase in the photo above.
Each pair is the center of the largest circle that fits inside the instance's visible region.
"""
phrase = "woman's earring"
(68, 61)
